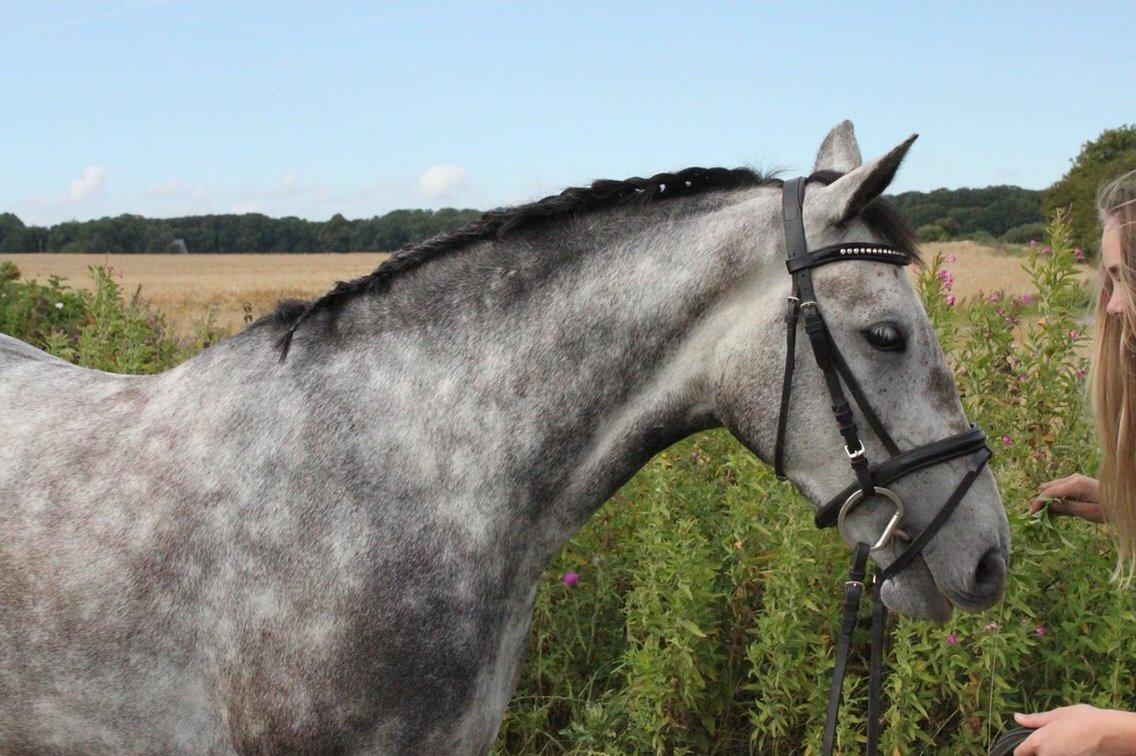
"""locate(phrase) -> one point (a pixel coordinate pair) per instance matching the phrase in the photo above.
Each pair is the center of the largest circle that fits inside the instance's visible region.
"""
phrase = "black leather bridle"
(871, 480)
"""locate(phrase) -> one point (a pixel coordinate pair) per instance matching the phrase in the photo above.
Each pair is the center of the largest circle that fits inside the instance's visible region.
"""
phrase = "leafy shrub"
(1025, 233)
(932, 233)
(99, 329)
(1109, 155)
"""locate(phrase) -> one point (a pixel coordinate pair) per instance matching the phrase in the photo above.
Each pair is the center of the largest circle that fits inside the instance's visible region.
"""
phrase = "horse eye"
(887, 337)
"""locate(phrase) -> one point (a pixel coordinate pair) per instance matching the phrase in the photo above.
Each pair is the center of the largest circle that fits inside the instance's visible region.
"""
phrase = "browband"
(848, 251)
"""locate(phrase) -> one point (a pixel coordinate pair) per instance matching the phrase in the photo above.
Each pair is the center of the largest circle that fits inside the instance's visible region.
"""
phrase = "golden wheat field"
(186, 287)
(236, 287)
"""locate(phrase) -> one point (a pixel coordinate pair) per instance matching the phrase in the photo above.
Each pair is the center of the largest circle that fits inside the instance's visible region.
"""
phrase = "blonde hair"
(1113, 381)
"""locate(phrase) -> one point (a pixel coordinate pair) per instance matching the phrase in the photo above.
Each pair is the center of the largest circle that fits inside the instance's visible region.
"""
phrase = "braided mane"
(574, 201)
(495, 224)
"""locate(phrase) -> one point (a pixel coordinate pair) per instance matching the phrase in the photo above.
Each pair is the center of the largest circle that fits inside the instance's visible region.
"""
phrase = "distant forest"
(1008, 213)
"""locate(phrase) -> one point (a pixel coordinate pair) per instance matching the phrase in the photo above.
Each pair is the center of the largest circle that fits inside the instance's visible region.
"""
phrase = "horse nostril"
(990, 573)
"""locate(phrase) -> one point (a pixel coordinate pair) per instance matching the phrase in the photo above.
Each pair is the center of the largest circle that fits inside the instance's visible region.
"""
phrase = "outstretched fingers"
(1076, 486)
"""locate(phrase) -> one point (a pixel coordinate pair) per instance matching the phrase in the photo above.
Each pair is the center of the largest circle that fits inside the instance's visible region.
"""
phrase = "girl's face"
(1111, 261)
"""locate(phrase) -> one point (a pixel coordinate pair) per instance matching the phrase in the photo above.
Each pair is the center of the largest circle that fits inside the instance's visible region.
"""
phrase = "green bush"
(1106, 157)
(932, 233)
(1025, 233)
(8, 271)
(99, 329)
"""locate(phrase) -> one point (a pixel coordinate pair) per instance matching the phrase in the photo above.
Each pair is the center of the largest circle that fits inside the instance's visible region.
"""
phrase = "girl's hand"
(1080, 729)
(1077, 495)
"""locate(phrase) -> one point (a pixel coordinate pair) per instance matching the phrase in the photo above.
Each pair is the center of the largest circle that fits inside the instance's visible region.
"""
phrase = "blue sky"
(166, 108)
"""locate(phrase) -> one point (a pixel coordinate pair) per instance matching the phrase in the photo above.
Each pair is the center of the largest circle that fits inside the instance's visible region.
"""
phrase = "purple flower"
(1074, 334)
(1080, 374)
(946, 278)
(1079, 254)
(1033, 243)
(1045, 250)
(1041, 631)
(952, 639)
(952, 259)
(994, 296)
(570, 579)
(1007, 440)
(991, 627)
(1026, 299)
(950, 300)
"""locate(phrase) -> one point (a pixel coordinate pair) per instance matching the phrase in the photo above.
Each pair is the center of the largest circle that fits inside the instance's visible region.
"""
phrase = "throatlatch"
(871, 481)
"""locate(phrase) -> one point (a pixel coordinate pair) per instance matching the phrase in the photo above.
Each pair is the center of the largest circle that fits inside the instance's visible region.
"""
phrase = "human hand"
(1077, 730)
(1077, 495)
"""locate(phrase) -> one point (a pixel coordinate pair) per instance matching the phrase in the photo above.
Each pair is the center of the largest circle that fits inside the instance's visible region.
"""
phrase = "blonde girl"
(1111, 496)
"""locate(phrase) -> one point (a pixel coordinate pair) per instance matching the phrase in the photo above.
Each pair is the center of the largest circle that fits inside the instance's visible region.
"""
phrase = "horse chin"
(913, 593)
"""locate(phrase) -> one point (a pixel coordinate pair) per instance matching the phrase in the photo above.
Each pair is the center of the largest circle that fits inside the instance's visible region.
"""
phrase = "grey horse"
(324, 534)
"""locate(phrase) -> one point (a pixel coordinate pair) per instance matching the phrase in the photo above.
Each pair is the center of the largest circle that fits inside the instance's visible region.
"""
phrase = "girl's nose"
(1115, 303)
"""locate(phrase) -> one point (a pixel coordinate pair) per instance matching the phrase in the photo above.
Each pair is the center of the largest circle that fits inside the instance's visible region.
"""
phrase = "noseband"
(872, 481)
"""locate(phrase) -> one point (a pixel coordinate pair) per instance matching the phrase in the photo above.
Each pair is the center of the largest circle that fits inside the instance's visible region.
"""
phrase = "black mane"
(600, 195)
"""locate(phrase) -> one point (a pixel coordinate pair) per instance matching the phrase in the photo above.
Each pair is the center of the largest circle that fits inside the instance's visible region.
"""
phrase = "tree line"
(248, 232)
(941, 214)
(1005, 213)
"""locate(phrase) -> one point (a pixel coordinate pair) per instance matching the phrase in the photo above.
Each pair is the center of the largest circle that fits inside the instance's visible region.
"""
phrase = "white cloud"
(82, 197)
(87, 186)
(441, 182)
(172, 188)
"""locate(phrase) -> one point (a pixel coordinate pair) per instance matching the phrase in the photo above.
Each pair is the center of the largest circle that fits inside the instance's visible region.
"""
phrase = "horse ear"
(850, 193)
(839, 150)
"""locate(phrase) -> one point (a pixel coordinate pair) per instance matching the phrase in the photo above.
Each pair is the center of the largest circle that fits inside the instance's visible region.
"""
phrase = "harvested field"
(185, 287)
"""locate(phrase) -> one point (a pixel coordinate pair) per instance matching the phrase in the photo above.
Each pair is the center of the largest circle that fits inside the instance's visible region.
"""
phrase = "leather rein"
(872, 481)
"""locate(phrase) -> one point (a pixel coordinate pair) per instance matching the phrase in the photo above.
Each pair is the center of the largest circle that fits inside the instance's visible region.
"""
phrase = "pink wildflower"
(1045, 250)
(1080, 374)
(951, 300)
(1041, 631)
(1007, 440)
(570, 579)
(991, 627)
(1074, 334)
(1079, 254)
(1026, 299)
(994, 296)
(1033, 243)
(952, 259)
(946, 279)
(952, 639)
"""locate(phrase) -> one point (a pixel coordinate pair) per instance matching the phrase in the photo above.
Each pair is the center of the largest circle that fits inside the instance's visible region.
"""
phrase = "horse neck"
(545, 370)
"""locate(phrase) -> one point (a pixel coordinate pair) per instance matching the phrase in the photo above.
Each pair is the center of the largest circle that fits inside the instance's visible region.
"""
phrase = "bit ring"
(892, 528)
